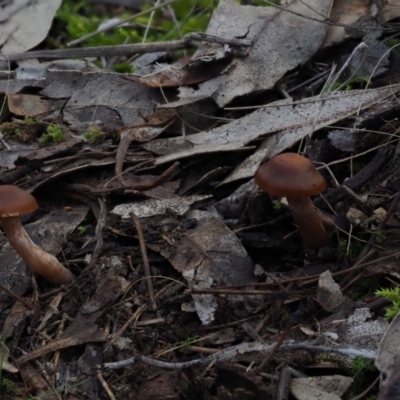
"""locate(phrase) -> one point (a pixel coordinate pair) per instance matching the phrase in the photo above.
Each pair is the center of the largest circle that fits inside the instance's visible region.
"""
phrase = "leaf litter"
(185, 270)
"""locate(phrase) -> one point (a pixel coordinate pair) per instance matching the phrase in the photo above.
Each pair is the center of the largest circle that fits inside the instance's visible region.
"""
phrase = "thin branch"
(16, 297)
(242, 348)
(145, 258)
(104, 51)
(127, 49)
(205, 37)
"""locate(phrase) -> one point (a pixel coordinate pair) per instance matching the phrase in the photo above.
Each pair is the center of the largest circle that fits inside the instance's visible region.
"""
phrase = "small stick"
(278, 344)
(125, 49)
(16, 297)
(105, 385)
(233, 351)
(129, 189)
(205, 37)
(101, 222)
(103, 51)
(145, 258)
(156, 181)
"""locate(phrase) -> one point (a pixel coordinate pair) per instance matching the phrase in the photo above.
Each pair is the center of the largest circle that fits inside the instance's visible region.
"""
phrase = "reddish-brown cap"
(290, 175)
(15, 201)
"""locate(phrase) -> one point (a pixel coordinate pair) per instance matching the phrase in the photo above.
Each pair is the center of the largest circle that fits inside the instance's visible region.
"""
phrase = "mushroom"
(296, 178)
(13, 203)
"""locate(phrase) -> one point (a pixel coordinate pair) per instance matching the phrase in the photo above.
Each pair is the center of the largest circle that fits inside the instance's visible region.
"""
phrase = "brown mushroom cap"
(290, 175)
(15, 201)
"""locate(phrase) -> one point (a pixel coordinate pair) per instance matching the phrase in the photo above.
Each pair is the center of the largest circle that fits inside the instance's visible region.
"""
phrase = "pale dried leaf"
(309, 332)
(190, 95)
(343, 12)
(28, 105)
(329, 294)
(8, 158)
(94, 97)
(32, 69)
(388, 352)
(151, 207)
(211, 255)
(25, 24)
(109, 98)
(344, 140)
(320, 387)
(360, 331)
(5, 365)
(391, 9)
(285, 139)
(294, 120)
(281, 41)
(248, 167)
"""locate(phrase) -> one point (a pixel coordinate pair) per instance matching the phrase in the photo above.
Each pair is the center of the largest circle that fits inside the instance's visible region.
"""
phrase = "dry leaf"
(343, 12)
(282, 39)
(293, 119)
(151, 207)
(24, 24)
(329, 294)
(388, 352)
(211, 255)
(320, 387)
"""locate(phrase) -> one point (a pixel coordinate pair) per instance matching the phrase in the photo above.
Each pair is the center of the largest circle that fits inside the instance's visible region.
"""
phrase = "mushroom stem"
(308, 221)
(40, 261)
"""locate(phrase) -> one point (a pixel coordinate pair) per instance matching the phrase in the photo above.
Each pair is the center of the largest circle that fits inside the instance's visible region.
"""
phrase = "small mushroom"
(13, 203)
(296, 178)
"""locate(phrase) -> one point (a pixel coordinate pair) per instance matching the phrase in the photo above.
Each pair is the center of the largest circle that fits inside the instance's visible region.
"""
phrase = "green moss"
(277, 204)
(360, 364)
(362, 371)
(393, 44)
(351, 252)
(392, 295)
(78, 19)
(54, 133)
(28, 120)
(94, 135)
(123, 68)
(354, 83)
(377, 234)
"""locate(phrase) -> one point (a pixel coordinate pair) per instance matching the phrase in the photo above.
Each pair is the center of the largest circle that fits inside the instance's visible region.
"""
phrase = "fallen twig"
(123, 49)
(242, 348)
(16, 297)
(145, 259)
(101, 222)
